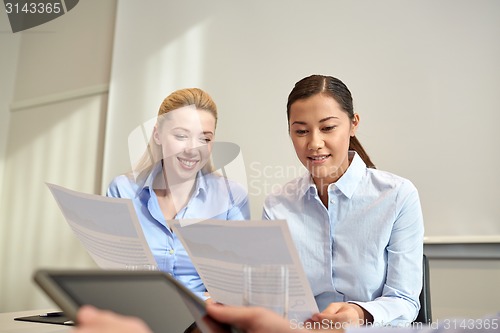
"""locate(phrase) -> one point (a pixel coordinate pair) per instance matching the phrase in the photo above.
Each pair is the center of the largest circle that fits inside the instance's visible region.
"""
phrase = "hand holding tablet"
(157, 298)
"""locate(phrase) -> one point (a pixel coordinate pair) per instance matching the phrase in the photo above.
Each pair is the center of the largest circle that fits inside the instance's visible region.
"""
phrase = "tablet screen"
(156, 298)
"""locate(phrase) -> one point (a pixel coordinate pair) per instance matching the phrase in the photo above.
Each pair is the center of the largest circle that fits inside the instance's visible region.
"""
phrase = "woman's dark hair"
(332, 87)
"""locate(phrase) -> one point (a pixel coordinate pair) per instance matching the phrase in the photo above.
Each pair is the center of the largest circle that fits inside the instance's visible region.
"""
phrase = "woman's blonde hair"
(178, 99)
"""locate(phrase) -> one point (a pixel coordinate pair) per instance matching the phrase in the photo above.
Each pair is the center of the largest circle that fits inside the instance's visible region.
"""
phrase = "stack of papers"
(219, 250)
(108, 228)
(111, 233)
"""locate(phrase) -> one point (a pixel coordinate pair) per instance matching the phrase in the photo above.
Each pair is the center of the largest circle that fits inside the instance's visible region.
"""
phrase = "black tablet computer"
(156, 297)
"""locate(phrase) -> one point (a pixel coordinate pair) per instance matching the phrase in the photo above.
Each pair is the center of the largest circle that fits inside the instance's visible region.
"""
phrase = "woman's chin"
(325, 174)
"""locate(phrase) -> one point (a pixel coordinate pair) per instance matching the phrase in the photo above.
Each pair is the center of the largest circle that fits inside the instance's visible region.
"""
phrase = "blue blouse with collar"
(214, 197)
(365, 247)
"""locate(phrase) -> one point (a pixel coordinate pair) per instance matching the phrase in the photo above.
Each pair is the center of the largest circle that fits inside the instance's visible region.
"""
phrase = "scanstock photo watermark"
(26, 14)
(473, 325)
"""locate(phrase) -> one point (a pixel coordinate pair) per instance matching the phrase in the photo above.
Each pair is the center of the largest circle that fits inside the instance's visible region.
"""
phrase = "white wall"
(8, 65)
(247, 55)
(424, 76)
(463, 288)
(58, 103)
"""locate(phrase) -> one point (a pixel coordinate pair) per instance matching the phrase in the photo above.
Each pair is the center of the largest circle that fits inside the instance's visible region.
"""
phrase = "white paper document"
(219, 250)
(108, 228)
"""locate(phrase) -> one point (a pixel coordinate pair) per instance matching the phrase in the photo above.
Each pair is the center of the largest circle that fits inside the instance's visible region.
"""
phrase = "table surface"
(9, 325)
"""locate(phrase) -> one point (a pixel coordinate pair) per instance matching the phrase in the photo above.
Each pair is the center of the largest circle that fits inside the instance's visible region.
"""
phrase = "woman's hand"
(92, 320)
(349, 314)
(209, 299)
(250, 319)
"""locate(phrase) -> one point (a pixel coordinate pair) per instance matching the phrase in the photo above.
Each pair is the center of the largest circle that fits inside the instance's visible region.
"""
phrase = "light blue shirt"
(365, 247)
(214, 197)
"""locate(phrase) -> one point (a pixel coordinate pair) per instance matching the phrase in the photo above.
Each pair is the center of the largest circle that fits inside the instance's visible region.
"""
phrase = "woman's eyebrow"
(180, 128)
(298, 122)
(188, 131)
(328, 118)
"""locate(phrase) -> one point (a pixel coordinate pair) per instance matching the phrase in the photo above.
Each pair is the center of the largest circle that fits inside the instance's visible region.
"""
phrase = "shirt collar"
(200, 185)
(347, 183)
(307, 185)
(148, 184)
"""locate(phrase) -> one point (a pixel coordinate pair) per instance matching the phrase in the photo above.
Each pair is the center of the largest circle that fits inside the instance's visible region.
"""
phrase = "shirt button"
(171, 251)
(332, 201)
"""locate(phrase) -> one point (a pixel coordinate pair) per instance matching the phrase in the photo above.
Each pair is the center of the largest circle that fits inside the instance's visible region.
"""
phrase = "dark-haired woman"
(358, 230)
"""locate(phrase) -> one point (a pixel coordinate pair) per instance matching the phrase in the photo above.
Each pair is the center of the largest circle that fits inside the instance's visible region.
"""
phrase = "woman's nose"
(316, 142)
(192, 144)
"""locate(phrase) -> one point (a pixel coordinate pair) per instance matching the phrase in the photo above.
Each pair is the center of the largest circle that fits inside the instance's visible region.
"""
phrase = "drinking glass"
(266, 286)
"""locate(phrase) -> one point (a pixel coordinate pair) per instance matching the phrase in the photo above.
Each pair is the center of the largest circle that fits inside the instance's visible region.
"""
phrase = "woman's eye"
(205, 140)
(180, 136)
(301, 132)
(329, 128)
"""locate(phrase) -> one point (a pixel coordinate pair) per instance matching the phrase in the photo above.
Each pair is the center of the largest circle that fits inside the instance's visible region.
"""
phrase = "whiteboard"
(425, 77)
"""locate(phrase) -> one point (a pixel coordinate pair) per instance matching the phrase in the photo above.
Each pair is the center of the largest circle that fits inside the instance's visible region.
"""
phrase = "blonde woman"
(174, 180)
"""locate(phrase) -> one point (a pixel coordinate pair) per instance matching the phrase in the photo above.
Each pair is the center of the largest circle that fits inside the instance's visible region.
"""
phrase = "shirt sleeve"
(240, 207)
(240, 211)
(113, 190)
(399, 302)
(266, 211)
(122, 186)
(201, 294)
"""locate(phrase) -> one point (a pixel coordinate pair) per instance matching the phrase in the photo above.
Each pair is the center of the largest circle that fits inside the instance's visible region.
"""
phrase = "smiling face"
(320, 131)
(185, 136)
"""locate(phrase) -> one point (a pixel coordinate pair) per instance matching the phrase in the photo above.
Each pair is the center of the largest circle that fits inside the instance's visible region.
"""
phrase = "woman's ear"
(156, 135)
(354, 124)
